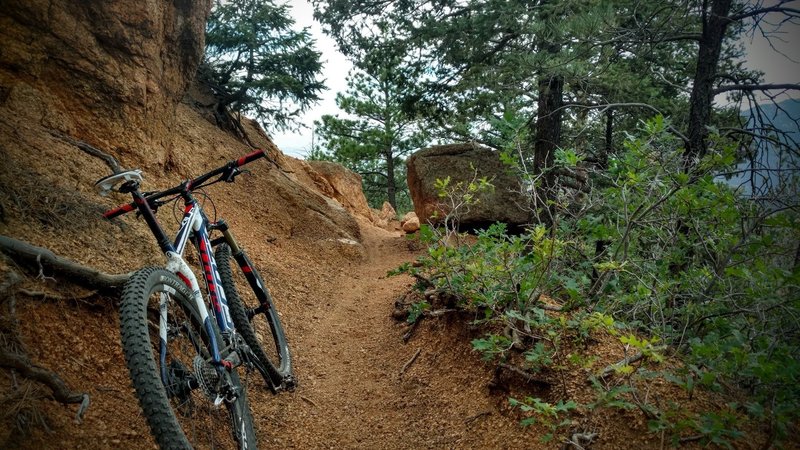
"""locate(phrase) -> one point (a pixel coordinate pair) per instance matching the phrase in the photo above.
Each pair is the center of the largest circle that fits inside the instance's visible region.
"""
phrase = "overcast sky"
(776, 66)
(335, 70)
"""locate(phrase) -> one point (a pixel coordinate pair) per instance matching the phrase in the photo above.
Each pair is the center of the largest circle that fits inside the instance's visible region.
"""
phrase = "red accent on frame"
(185, 280)
(209, 276)
(126, 208)
(246, 269)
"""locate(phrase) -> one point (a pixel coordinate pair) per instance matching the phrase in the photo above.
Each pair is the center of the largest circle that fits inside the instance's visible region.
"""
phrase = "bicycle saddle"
(108, 184)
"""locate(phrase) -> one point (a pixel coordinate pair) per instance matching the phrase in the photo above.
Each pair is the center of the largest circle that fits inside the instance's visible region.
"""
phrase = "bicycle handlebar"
(227, 171)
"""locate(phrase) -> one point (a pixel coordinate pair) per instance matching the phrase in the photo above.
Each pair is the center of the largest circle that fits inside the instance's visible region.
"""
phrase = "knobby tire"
(263, 332)
(175, 419)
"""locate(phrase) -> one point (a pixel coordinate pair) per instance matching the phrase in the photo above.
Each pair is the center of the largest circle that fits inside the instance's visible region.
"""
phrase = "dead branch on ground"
(625, 361)
(579, 441)
(410, 361)
(475, 417)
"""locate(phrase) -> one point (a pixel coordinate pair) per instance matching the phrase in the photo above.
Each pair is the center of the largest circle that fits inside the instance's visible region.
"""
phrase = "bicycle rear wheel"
(255, 317)
(177, 389)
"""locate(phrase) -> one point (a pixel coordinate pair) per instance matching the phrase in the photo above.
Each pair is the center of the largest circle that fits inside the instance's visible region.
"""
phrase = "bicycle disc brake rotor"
(178, 385)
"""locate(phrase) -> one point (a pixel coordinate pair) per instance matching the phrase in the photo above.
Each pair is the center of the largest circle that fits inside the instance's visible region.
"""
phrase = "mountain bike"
(185, 362)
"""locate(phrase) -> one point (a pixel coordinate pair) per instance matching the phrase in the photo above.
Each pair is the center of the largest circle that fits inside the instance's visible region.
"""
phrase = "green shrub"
(685, 260)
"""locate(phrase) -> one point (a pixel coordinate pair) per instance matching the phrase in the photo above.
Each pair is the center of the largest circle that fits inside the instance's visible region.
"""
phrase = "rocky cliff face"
(114, 75)
(105, 72)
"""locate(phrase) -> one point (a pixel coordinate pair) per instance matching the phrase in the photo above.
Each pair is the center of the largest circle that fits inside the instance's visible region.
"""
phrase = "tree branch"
(756, 87)
(757, 12)
(373, 173)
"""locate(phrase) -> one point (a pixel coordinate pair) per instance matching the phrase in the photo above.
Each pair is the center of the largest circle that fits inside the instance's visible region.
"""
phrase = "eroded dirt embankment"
(349, 357)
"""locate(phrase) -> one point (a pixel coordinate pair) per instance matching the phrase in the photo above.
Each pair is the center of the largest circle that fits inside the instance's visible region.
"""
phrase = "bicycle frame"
(195, 227)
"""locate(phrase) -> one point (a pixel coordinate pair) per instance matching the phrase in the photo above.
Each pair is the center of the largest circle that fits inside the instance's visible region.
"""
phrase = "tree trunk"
(602, 161)
(715, 23)
(548, 138)
(391, 189)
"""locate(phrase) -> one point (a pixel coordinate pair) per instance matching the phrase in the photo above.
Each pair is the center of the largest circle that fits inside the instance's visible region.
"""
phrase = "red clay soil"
(360, 386)
(350, 359)
(349, 356)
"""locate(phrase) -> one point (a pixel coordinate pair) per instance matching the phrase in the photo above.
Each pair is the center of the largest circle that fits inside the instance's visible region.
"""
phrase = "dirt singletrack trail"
(349, 356)
(346, 392)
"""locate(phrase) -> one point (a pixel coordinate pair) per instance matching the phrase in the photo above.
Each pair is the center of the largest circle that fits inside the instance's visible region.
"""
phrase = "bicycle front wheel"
(255, 317)
(188, 403)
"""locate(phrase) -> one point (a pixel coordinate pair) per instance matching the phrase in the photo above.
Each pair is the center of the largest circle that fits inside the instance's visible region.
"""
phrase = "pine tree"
(377, 132)
(258, 64)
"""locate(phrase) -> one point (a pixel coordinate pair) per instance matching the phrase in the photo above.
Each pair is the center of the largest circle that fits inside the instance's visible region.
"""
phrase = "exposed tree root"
(412, 328)
(527, 376)
(110, 161)
(43, 257)
(59, 389)
(12, 356)
(410, 362)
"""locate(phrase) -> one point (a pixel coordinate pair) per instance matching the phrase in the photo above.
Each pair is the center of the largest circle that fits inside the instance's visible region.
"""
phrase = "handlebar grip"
(250, 157)
(120, 210)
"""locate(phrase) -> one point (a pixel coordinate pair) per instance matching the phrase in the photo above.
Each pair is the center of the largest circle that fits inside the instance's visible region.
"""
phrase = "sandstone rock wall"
(113, 74)
(106, 72)
(341, 184)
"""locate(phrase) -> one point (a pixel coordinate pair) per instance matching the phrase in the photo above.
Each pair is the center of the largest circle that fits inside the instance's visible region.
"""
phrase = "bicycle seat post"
(129, 187)
(132, 187)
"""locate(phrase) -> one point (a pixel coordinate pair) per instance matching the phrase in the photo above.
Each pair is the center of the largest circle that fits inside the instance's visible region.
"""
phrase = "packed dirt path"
(360, 385)
(349, 359)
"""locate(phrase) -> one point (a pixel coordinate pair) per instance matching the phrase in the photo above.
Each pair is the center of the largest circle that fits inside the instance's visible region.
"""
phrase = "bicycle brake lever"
(230, 176)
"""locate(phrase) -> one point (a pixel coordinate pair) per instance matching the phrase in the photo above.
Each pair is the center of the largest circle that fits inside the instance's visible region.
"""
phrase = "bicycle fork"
(275, 380)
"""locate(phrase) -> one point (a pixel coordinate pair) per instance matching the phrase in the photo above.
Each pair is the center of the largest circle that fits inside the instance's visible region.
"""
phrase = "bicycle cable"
(210, 200)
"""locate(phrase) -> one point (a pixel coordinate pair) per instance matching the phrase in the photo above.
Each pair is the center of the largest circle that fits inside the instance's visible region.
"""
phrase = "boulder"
(387, 212)
(409, 215)
(411, 225)
(462, 163)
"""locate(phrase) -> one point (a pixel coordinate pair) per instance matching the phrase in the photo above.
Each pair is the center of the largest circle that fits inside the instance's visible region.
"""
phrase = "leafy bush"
(655, 250)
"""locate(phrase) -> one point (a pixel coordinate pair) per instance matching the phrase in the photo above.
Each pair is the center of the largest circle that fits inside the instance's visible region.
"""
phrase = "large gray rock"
(460, 162)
